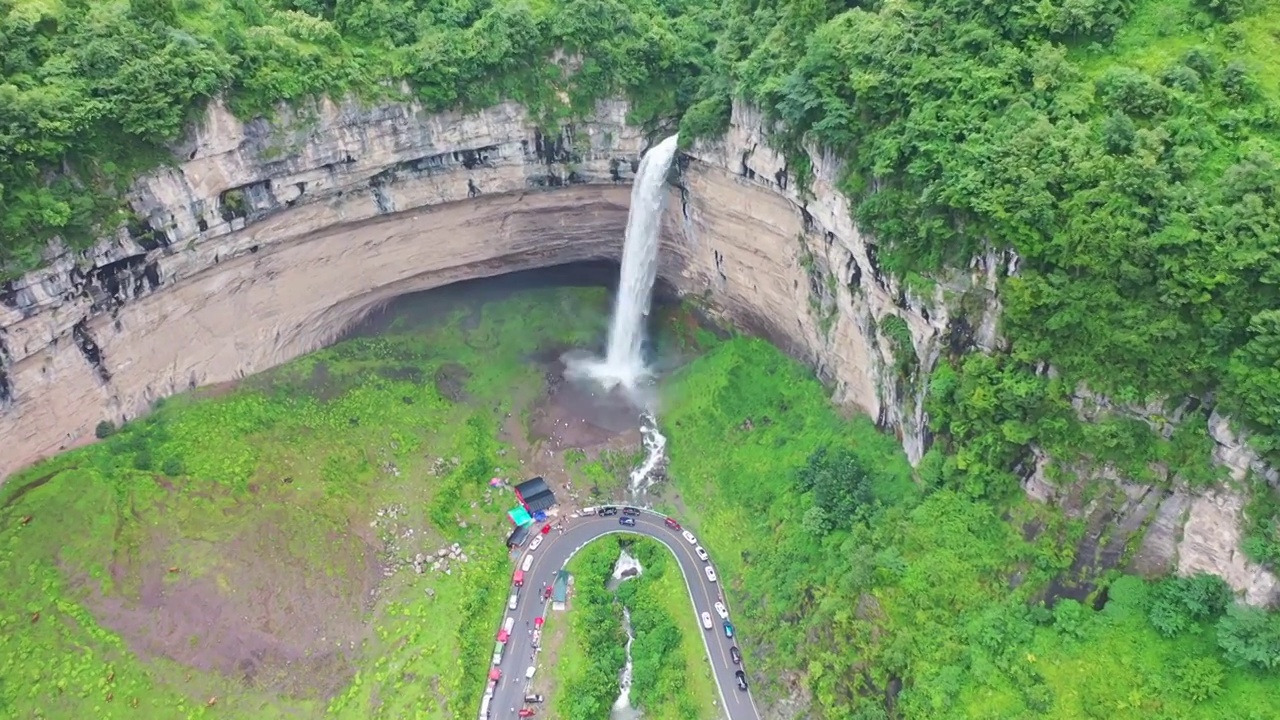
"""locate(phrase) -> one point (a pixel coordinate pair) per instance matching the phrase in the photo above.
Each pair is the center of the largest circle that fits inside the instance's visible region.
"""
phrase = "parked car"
(527, 712)
(588, 511)
(711, 573)
(722, 611)
(728, 629)
(742, 680)
(671, 523)
(509, 624)
(528, 562)
(706, 620)
(628, 521)
(633, 512)
(533, 698)
(528, 674)
(608, 510)
(734, 654)
(536, 542)
(702, 554)
(688, 536)
(511, 601)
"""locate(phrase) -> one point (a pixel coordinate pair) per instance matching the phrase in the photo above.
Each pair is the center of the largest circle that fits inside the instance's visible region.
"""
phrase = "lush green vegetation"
(841, 566)
(1126, 149)
(670, 678)
(281, 502)
(91, 92)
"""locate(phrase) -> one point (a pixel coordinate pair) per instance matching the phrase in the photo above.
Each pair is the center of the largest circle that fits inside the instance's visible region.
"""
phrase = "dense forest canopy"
(1128, 150)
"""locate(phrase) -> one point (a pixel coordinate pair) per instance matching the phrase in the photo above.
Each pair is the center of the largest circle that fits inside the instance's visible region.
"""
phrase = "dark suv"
(630, 511)
(742, 680)
(607, 511)
(735, 655)
(629, 522)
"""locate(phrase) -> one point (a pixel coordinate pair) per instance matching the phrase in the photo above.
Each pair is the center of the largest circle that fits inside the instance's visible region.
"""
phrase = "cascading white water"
(625, 357)
(623, 363)
(624, 569)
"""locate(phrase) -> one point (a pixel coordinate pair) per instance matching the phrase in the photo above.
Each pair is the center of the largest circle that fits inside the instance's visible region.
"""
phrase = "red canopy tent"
(537, 622)
(495, 674)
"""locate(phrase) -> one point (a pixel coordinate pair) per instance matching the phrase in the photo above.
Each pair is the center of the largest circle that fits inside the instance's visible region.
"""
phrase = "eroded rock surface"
(268, 239)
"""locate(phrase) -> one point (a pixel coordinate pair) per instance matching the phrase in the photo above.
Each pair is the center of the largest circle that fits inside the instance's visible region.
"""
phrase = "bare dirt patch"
(262, 611)
(451, 382)
(564, 416)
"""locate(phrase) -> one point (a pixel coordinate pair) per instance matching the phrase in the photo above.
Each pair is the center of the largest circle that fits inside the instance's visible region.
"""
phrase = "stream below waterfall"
(626, 568)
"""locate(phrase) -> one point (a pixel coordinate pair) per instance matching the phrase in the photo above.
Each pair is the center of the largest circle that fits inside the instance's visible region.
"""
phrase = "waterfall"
(623, 363)
(624, 359)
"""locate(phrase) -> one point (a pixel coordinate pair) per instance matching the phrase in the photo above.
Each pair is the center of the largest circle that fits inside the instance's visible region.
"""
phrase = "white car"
(711, 573)
(509, 624)
(511, 601)
(702, 554)
(528, 562)
(722, 611)
(689, 536)
(528, 674)
(536, 542)
(706, 621)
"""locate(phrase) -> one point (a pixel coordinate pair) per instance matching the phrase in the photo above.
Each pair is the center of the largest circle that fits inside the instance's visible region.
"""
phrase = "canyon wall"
(268, 239)
(792, 266)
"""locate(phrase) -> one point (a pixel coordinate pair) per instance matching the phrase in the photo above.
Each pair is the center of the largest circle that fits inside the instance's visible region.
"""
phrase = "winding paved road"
(554, 552)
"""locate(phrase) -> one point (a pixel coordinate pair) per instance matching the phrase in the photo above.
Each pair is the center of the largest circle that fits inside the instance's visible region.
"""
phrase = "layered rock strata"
(268, 239)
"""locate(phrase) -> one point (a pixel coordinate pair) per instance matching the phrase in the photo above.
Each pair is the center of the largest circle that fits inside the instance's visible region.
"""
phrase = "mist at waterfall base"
(624, 367)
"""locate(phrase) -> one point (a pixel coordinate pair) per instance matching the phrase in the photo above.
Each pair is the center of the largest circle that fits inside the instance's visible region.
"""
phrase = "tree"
(841, 485)
(105, 429)
(1250, 637)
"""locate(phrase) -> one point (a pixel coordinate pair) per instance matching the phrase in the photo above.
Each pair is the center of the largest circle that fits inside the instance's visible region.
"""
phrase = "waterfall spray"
(624, 363)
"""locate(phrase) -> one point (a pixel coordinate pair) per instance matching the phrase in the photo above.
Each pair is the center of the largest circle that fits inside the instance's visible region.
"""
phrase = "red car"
(671, 523)
(527, 712)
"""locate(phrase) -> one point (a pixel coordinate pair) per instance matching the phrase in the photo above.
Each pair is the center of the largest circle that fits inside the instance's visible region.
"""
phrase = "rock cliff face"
(268, 239)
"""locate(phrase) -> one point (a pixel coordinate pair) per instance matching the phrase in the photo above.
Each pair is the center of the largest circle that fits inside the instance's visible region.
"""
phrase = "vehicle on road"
(628, 521)
(735, 655)
(497, 652)
(528, 562)
(518, 578)
(509, 625)
(511, 601)
(706, 620)
(711, 573)
(533, 698)
(688, 536)
(633, 512)
(608, 510)
(702, 554)
(588, 511)
(728, 629)
(536, 542)
(528, 674)
(527, 712)
(722, 611)
(742, 680)
(671, 523)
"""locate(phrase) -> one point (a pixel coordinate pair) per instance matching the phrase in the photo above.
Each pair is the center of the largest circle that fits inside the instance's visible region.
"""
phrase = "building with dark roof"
(519, 536)
(535, 495)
